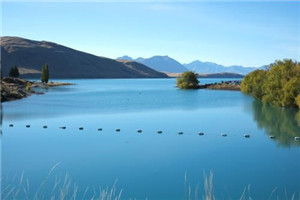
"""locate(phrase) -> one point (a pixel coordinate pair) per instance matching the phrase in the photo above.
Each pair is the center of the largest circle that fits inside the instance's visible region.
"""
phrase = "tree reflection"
(283, 123)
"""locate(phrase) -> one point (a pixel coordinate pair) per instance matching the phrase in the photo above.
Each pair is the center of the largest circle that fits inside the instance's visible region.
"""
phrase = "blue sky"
(229, 33)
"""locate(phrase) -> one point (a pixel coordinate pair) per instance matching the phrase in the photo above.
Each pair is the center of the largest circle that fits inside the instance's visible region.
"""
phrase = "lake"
(149, 165)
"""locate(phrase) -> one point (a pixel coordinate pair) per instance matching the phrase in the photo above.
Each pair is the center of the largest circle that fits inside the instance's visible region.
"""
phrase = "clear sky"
(229, 33)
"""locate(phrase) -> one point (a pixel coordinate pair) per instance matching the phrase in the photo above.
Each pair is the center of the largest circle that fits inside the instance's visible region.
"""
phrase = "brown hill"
(65, 62)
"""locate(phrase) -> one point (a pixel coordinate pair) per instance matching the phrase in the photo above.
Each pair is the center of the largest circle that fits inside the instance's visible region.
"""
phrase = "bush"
(187, 80)
(279, 85)
(28, 86)
(253, 83)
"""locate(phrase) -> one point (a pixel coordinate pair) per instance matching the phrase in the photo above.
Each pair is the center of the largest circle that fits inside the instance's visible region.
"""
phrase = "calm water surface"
(147, 164)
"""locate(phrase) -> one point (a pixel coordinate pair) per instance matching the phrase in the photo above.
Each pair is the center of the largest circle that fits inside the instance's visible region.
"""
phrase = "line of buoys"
(158, 131)
(297, 138)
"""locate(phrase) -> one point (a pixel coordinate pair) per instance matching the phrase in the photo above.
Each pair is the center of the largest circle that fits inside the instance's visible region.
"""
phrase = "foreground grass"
(63, 188)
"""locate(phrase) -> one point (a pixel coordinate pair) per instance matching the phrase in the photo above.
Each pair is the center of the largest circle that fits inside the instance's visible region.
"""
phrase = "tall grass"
(193, 193)
(63, 188)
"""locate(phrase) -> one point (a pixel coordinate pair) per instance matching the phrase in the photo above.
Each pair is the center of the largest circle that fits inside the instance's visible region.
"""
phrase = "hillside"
(65, 62)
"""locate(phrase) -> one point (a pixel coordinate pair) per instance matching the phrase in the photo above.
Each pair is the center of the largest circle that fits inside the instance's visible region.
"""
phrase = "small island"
(189, 80)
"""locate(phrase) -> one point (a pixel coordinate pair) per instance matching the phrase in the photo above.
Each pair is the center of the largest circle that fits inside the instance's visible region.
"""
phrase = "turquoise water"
(147, 164)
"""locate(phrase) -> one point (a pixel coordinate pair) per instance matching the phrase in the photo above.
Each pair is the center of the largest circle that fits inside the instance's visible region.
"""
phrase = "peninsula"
(16, 88)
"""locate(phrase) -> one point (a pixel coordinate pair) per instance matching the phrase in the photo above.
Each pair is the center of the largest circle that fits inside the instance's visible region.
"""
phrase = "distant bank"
(214, 75)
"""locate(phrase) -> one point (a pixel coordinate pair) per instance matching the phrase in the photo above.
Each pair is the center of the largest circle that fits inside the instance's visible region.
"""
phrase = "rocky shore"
(16, 88)
(224, 85)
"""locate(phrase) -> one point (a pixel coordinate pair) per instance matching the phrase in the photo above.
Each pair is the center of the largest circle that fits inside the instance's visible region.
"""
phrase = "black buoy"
(45, 126)
(62, 127)
(272, 137)
(223, 134)
(99, 129)
(246, 135)
(180, 133)
(27, 126)
(159, 132)
(11, 125)
(139, 131)
(118, 130)
(80, 128)
(200, 133)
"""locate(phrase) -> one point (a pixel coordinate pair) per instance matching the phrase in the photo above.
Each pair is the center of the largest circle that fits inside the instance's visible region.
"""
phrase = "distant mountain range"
(64, 62)
(214, 75)
(159, 63)
(170, 65)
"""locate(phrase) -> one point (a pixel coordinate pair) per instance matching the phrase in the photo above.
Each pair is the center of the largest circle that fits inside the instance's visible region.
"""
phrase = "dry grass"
(63, 188)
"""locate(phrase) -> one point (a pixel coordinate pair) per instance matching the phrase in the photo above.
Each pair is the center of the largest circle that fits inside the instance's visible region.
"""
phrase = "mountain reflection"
(282, 123)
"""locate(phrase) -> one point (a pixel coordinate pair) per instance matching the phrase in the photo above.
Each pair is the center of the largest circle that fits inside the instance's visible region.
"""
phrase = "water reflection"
(282, 123)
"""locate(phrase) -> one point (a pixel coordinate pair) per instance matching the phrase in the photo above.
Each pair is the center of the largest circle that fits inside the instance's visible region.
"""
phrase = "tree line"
(14, 72)
(278, 85)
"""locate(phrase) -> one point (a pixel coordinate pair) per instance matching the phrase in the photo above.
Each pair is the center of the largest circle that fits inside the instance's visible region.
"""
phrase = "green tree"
(45, 74)
(187, 80)
(278, 85)
(14, 72)
(298, 101)
(253, 83)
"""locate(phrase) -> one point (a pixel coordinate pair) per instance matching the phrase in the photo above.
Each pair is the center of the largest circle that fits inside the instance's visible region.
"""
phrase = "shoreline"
(16, 88)
(224, 85)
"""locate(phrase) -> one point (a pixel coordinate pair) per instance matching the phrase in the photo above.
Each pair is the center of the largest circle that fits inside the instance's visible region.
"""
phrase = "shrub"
(187, 80)
(28, 86)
